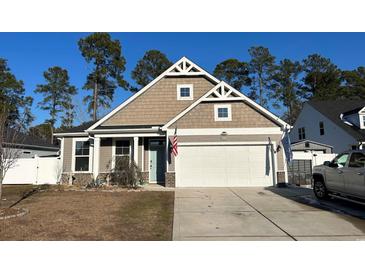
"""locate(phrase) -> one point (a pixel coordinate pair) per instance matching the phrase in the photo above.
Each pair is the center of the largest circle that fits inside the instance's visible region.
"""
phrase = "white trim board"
(229, 131)
(167, 72)
(117, 135)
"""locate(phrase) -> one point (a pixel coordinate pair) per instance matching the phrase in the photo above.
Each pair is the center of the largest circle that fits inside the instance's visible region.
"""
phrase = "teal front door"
(157, 161)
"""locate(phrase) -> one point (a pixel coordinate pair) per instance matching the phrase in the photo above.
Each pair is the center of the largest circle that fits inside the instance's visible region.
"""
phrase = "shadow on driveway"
(306, 196)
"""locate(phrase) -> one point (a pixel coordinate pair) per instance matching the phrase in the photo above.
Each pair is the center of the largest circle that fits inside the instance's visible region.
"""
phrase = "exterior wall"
(243, 116)
(140, 152)
(334, 136)
(67, 154)
(159, 104)
(78, 179)
(105, 154)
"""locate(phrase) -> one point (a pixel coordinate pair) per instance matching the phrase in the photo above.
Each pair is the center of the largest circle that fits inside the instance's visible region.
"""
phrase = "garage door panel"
(222, 166)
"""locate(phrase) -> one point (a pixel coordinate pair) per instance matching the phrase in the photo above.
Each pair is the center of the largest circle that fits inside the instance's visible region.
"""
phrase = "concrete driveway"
(263, 214)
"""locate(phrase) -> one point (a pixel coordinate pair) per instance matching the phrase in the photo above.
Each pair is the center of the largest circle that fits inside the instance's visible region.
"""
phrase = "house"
(311, 146)
(224, 138)
(28, 146)
(337, 123)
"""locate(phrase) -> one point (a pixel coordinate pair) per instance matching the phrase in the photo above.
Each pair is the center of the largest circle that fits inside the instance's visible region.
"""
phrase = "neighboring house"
(28, 146)
(224, 138)
(311, 146)
(338, 123)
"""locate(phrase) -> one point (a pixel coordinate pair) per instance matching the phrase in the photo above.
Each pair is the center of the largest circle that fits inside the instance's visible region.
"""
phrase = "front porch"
(151, 153)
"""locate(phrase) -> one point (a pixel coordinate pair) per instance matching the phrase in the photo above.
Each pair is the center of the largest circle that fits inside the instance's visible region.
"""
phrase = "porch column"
(135, 149)
(96, 157)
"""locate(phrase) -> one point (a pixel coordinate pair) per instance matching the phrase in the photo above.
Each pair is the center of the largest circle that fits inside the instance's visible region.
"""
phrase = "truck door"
(354, 175)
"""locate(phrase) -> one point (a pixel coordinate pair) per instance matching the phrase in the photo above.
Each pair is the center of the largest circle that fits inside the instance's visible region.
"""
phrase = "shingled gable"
(182, 68)
(224, 92)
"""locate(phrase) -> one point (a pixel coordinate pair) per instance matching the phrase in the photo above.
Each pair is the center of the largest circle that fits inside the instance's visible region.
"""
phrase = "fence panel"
(34, 171)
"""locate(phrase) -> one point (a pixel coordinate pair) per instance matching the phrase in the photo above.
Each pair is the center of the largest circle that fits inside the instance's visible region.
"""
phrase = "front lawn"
(76, 215)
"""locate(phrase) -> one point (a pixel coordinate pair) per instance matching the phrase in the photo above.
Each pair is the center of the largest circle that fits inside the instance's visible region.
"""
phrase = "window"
(301, 133)
(122, 149)
(341, 159)
(82, 155)
(357, 160)
(222, 113)
(185, 92)
(321, 128)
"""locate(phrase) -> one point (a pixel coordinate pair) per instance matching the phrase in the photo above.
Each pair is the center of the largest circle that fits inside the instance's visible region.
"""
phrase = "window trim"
(224, 119)
(114, 147)
(91, 149)
(190, 86)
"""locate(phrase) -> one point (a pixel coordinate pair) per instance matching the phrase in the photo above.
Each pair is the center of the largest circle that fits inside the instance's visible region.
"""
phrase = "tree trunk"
(260, 91)
(95, 101)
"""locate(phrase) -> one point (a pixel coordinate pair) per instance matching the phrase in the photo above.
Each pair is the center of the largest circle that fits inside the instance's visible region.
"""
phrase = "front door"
(157, 161)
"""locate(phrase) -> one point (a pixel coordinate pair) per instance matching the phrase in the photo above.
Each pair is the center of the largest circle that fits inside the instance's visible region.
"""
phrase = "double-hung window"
(82, 156)
(301, 133)
(122, 150)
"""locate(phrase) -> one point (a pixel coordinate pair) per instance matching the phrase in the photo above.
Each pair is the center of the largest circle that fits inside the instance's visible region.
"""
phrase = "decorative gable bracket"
(185, 67)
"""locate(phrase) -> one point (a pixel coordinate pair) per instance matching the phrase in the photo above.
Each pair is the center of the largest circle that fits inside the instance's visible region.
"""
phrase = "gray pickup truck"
(344, 177)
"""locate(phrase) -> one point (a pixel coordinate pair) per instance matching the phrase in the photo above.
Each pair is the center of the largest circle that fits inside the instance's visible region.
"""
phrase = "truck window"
(357, 160)
(341, 159)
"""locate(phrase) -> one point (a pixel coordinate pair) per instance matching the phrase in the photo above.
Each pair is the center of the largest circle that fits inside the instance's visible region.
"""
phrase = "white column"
(135, 149)
(167, 151)
(96, 157)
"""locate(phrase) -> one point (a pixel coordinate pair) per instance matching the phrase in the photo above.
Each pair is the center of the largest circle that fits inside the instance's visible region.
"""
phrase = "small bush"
(125, 173)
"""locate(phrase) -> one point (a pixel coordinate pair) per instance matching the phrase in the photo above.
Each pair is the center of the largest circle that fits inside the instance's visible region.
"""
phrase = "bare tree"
(10, 142)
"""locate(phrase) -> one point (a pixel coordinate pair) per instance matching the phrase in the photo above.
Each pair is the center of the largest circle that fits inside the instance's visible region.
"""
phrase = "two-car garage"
(225, 165)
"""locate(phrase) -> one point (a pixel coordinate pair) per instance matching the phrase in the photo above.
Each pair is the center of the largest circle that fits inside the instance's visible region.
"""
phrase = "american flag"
(174, 143)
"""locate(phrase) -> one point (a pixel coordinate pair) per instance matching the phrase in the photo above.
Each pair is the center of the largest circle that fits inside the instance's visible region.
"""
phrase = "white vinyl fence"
(35, 171)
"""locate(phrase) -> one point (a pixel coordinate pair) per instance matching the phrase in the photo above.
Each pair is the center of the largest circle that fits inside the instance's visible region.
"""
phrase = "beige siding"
(232, 138)
(243, 115)
(159, 104)
(140, 152)
(105, 154)
(67, 154)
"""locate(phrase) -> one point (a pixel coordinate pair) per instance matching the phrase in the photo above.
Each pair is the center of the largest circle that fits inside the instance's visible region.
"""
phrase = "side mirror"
(327, 163)
(332, 164)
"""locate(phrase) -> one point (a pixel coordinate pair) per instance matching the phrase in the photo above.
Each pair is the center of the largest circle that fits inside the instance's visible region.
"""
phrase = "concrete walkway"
(259, 214)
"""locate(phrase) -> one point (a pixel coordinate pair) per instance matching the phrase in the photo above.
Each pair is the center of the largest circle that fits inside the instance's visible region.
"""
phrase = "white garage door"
(224, 166)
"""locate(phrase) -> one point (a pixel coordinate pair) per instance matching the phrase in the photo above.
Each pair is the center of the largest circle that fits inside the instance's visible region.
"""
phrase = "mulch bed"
(7, 213)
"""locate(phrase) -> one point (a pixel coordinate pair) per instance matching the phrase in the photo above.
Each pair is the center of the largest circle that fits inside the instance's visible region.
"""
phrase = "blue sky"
(30, 54)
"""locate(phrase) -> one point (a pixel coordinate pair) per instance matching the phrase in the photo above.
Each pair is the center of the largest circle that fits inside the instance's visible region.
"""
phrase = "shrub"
(125, 173)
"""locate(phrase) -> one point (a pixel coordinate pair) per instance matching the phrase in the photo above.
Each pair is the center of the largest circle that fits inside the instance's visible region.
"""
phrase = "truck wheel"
(320, 190)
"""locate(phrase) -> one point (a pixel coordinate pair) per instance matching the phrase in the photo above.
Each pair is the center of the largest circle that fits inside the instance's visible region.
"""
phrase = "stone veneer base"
(169, 179)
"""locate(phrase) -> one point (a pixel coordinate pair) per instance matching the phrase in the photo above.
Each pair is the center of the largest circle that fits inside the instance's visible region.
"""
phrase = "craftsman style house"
(224, 138)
